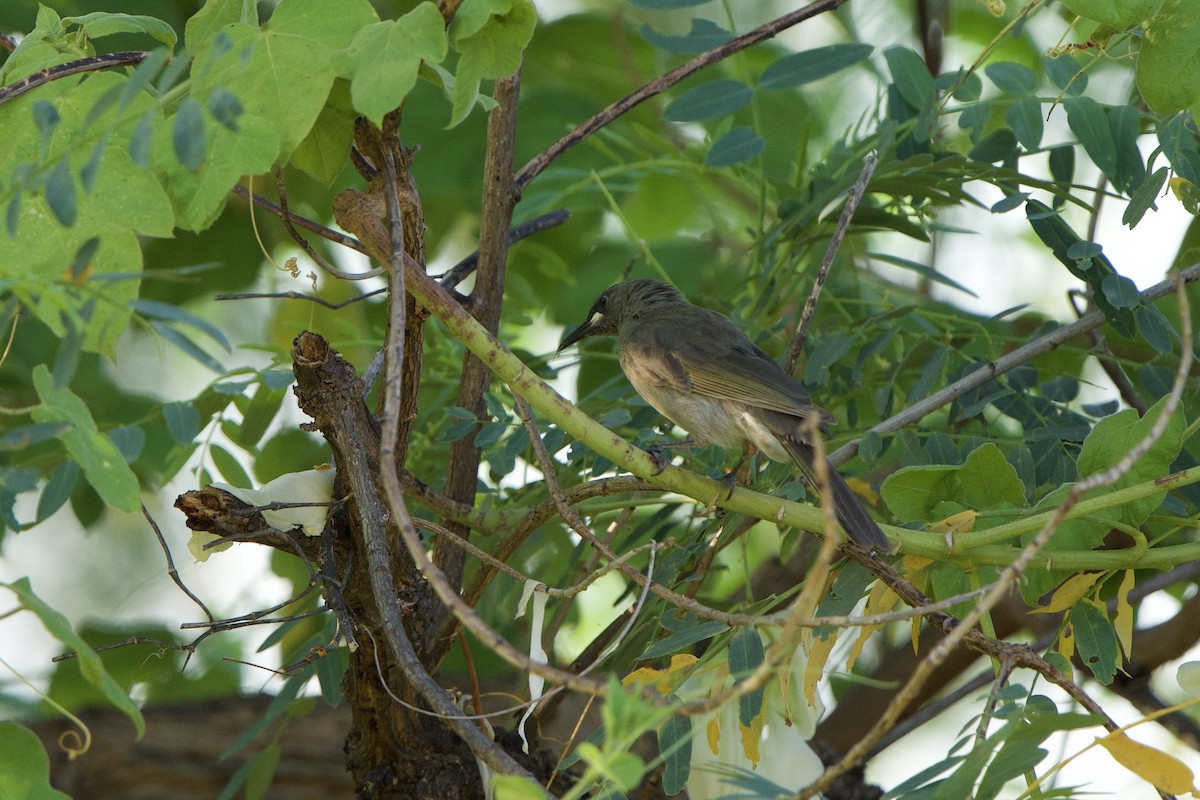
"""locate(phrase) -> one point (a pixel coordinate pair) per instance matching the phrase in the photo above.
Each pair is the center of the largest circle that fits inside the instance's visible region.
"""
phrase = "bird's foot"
(659, 456)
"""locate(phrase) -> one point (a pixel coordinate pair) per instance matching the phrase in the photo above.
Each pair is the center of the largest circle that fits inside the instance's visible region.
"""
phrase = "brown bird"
(704, 374)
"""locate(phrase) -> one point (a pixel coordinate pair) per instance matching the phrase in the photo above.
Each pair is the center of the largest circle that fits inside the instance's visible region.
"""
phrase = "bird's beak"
(582, 332)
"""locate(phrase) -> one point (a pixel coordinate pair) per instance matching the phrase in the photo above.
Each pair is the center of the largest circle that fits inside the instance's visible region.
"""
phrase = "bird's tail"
(849, 509)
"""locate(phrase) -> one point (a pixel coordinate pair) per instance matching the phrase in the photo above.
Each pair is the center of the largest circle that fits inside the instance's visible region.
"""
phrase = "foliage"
(142, 173)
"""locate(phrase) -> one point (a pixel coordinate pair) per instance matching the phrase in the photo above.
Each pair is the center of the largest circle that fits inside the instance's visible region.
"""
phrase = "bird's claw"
(659, 456)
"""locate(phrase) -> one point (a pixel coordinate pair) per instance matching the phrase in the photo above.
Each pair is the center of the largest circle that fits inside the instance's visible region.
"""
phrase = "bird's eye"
(602, 302)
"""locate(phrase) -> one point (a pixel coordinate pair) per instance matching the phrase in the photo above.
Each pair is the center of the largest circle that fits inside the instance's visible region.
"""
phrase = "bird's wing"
(721, 362)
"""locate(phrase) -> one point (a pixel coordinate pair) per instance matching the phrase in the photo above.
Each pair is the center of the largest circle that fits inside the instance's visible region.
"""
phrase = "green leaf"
(89, 663)
(515, 787)
(912, 492)
(1119, 14)
(664, 5)
(29, 435)
(183, 421)
(683, 638)
(60, 194)
(733, 147)
(745, 654)
(1114, 436)
(1095, 639)
(1012, 78)
(999, 145)
(1120, 291)
(712, 99)
(101, 23)
(1090, 125)
(262, 771)
(1143, 198)
(491, 36)
(225, 108)
(911, 76)
(811, 65)
(324, 152)
(24, 765)
(923, 270)
(1155, 328)
(989, 481)
(189, 135)
(1065, 72)
(58, 489)
(704, 35)
(1168, 66)
(1024, 116)
(386, 57)
(675, 747)
(103, 465)
(257, 416)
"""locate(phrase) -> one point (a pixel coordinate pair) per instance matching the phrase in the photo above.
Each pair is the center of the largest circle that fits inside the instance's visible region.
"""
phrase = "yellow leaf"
(1066, 642)
(1070, 592)
(1166, 773)
(818, 654)
(1123, 621)
(880, 600)
(713, 732)
(752, 736)
(665, 681)
(956, 523)
(863, 490)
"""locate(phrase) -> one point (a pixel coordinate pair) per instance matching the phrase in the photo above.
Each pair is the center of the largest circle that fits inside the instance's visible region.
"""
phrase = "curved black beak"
(582, 332)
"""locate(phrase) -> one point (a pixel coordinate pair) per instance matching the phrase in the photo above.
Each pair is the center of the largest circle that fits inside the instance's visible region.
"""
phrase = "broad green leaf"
(712, 99)
(491, 36)
(103, 465)
(1119, 14)
(989, 481)
(183, 421)
(324, 152)
(733, 147)
(1065, 72)
(664, 5)
(24, 765)
(811, 65)
(515, 787)
(912, 492)
(101, 23)
(1120, 291)
(89, 663)
(1116, 435)
(386, 55)
(1095, 639)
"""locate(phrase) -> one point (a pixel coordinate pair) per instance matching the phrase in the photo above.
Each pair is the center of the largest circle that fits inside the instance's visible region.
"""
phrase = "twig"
(298, 296)
(664, 82)
(1012, 573)
(382, 584)
(989, 371)
(174, 573)
(459, 272)
(337, 237)
(89, 64)
(853, 198)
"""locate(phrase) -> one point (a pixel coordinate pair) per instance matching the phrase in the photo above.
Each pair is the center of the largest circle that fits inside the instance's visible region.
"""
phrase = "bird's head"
(619, 304)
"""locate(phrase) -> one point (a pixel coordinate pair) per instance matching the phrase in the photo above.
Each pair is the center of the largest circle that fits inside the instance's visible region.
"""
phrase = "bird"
(699, 370)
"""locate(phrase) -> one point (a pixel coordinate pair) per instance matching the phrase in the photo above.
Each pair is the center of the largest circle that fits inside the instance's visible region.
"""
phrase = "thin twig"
(1012, 573)
(459, 272)
(174, 573)
(666, 81)
(89, 64)
(1008, 361)
(853, 198)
